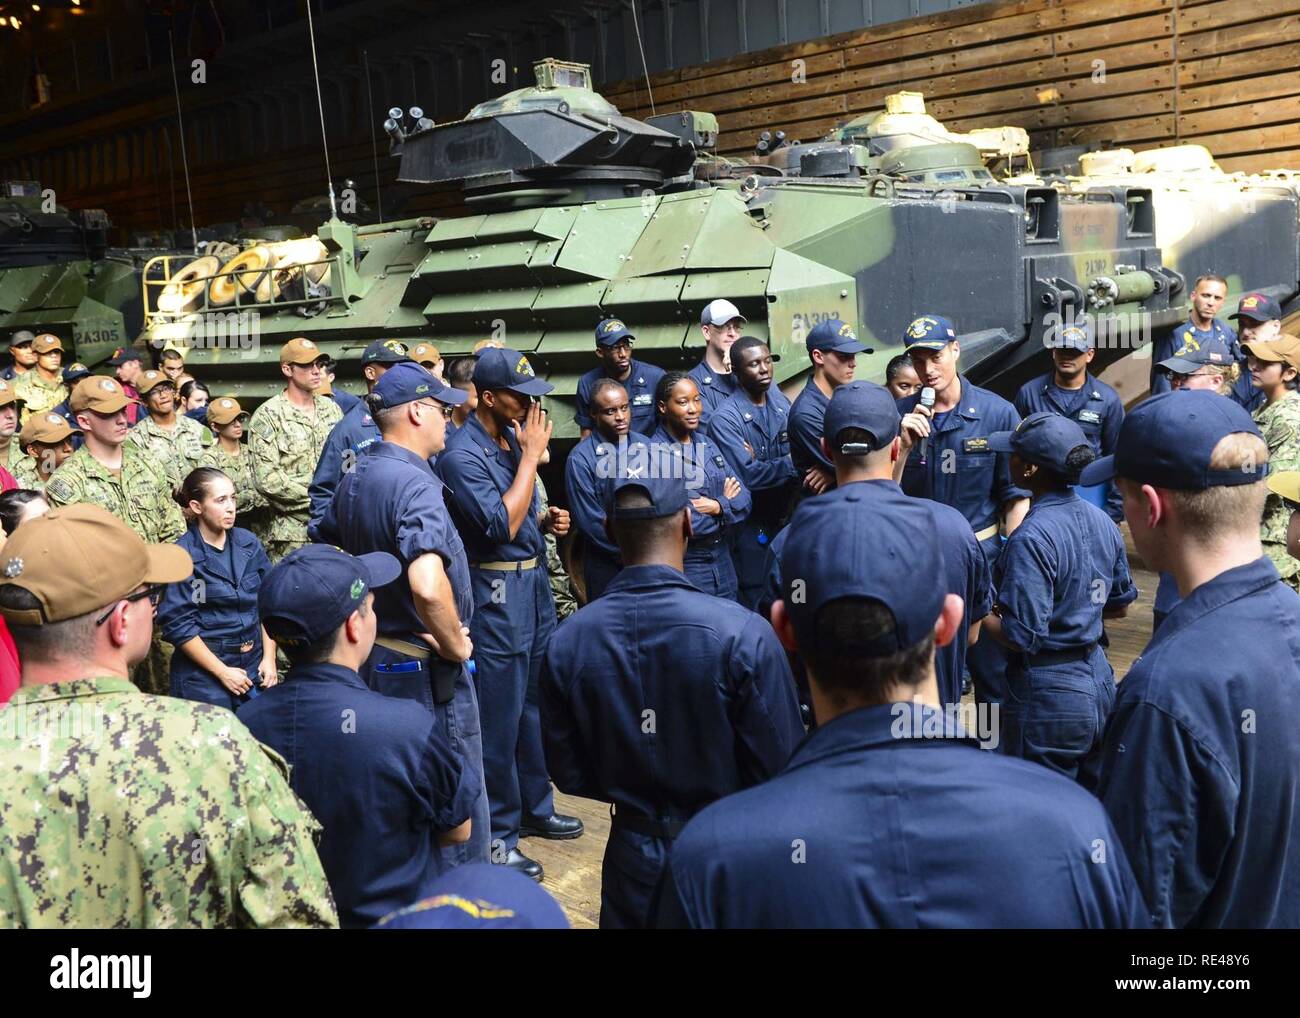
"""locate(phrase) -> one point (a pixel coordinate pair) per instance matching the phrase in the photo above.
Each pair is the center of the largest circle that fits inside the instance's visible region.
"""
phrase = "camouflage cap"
(50, 428)
(102, 395)
(80, 558)
(224, 410)
(8, 394)
(425, 354)
(300, 350)
(150, 380)
(47, 342)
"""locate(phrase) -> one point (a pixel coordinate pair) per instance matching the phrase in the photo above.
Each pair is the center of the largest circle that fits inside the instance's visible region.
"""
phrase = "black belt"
(650, 827)
(1059, 657)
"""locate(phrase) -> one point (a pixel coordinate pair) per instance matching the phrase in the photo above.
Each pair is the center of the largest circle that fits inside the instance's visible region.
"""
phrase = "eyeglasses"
(442, 408)
(153, 592)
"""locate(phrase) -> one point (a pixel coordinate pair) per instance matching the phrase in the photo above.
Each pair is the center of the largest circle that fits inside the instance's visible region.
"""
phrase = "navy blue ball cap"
(313, 590)
(929, 332)
(658, 470)
(1044, 438)
(406, 382)
(480, 896)
(499, 367)
(1258, 307)
(1193, 355)
(1168, 441)
(1069, 337)
(74, 373)
(385, 351)
(611, 331)
(893, 561)
(834, 335)
(863, 405)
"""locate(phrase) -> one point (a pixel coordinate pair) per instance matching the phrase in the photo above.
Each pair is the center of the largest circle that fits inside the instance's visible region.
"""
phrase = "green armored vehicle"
(577, 212)
(57, 274)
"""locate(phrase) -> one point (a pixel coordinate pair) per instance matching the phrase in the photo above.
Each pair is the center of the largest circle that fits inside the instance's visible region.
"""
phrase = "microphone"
(927, 401)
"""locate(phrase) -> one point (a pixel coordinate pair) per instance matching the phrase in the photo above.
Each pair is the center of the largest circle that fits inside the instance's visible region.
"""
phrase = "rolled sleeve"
(1026, 593)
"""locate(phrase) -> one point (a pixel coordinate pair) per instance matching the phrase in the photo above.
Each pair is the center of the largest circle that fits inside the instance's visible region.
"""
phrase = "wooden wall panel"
(1139, 72)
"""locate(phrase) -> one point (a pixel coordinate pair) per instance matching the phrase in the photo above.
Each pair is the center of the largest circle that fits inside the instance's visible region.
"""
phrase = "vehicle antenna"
(644, 69)
(180, 129)
(320, 106)
(374, 151)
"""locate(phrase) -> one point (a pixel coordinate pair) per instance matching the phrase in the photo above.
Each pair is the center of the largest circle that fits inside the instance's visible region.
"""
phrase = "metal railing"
(160, 271)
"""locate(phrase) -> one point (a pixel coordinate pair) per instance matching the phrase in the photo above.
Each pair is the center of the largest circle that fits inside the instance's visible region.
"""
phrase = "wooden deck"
(573, 867)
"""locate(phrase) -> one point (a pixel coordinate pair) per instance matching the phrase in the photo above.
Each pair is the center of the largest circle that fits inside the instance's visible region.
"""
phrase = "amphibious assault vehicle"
(58, 274)
(577, 212)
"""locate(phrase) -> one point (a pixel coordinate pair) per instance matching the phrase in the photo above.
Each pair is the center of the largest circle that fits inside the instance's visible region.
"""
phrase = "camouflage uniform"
(175, 452)
(566, 603)
(284, 444)
(15, 456)
(37, 394)
(140, 498)
(25, 474)
(119, 810)
(249, 502)
(1280, 426)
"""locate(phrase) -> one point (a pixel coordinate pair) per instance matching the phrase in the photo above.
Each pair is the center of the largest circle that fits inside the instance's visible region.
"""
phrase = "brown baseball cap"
(7, 393)
(425, 353)
(47, 342)
(224, 410)
(79, 559)
(150, 380)
(1284, 348)
(50, 428)
(1285, 483)
(100, 394)
(301, 351)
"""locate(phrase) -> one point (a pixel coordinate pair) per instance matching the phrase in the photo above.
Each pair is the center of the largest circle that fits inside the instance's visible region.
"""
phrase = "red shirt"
(10, 675)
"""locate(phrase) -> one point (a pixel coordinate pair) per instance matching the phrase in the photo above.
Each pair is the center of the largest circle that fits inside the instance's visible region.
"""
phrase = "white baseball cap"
(720, 312)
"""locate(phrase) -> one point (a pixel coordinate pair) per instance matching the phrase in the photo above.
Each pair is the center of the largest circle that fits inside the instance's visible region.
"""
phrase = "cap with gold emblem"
(150, 380)
(385, 351)
(80, 558)
(102, 395)
(74, 373)
(425, 354)
(224, 410)
(7, 393)
(301, 351)
(47, 342)
(50, 428)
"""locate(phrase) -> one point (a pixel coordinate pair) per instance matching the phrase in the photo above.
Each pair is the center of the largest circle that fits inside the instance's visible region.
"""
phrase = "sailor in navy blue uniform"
(222, 656)
(752, 430)
(614, 349)
(1208, 294)
(1061, 572)
(1200, 766)
(947, 458)
(356, 431)
(886, 815)
(391, 502)
(660, 699)
(1197, 367)
(589, 470)
(1069, 390)
(374, 770)
(490, 469)
(715, 375)
(833, 350)
(862, 424)
(1259, 320)
(719, 501)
